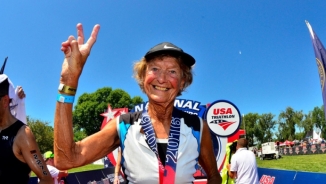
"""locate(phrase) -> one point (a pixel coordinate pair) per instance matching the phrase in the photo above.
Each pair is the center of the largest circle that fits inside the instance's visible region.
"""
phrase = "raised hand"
(76, 53)
(21, 94)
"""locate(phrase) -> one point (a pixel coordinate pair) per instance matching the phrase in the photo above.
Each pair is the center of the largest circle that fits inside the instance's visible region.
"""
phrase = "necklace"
(165, 176)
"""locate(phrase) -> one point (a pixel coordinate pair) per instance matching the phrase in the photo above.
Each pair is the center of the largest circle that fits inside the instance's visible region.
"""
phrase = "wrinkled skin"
(161, 90)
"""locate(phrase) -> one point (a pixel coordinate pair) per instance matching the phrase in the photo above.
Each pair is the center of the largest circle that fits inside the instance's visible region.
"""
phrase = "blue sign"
(189, 106)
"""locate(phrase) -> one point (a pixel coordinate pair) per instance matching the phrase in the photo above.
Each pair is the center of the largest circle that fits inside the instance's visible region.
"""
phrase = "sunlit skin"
(162, 83)
(163, 80)
(25, 147)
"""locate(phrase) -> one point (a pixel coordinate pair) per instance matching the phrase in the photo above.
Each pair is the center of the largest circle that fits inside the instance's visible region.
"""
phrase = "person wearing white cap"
(19, 151)
(243, 166)
(17, 98)
(55, 173)
(162, 144)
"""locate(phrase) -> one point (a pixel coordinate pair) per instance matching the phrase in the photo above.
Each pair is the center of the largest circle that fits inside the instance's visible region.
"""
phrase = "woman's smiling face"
(163, 80)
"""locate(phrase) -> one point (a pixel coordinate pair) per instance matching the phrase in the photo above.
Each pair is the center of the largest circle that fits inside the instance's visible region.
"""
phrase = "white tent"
(316, 135)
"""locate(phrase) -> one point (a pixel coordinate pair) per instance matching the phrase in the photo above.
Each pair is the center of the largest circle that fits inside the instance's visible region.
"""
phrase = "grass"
(81, 169)
(308, 163)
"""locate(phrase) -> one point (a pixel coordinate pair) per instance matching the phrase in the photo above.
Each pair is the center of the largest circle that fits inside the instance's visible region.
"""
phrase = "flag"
(3, 66)
(110, 159)
(320, 54)
(107, 162)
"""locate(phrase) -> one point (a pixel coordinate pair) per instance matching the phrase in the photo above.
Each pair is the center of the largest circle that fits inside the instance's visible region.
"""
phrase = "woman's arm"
(117, 167)
(206, 157)
(68, 153)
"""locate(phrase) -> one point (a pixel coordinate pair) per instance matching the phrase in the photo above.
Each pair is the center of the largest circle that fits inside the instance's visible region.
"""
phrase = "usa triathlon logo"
(223, 123)
(223, 118)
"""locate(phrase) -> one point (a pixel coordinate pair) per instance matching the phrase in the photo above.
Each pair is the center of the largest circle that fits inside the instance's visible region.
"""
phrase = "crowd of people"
(312, 141)
(159, 145)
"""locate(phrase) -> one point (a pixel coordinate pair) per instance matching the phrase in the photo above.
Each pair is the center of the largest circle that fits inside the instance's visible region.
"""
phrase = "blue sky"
(256, 54)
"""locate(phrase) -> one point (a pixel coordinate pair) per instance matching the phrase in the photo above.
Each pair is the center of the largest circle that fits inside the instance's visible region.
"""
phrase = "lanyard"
(167, 173)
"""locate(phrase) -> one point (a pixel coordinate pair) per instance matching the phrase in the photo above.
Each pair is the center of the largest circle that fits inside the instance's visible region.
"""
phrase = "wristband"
(65, 98)
(67, 89)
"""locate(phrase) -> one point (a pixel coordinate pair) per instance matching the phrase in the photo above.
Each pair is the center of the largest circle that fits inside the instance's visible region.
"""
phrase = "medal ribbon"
(167, 173)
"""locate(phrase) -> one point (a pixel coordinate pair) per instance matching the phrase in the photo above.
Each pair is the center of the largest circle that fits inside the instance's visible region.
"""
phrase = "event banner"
(304, 149)
(266, 176)
(274, 176)
(100, 176)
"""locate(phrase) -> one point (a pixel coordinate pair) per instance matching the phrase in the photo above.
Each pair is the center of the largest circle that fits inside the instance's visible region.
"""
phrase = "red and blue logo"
(223, 118)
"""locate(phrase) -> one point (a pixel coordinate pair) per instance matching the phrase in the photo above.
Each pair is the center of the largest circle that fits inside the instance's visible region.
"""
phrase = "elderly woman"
(159, 145)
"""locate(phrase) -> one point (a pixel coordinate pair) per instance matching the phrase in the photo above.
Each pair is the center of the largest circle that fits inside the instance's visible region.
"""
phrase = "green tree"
(287, 121)
(136, 100)
(79, 134)
(307, 125)
(43, 134)
(299, 136)
(249, 124)
(86, 114)
(283, 132)
(318, 118)
(266, 125)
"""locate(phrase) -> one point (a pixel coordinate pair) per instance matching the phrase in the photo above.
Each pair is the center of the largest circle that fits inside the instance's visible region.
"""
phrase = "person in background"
(19, 151)
(55, 173)
(159, 145)
(117, 168)
(17, 96)
(243, 165)
(230, 150)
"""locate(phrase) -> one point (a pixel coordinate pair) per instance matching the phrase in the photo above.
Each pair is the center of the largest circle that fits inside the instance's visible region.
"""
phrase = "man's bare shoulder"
(24, 134)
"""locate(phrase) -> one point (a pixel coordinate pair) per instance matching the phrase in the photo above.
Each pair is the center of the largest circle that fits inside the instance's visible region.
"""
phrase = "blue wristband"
(65, 98)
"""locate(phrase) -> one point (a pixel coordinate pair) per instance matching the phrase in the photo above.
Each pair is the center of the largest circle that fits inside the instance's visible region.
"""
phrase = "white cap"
(11, 90)
(3, 77)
